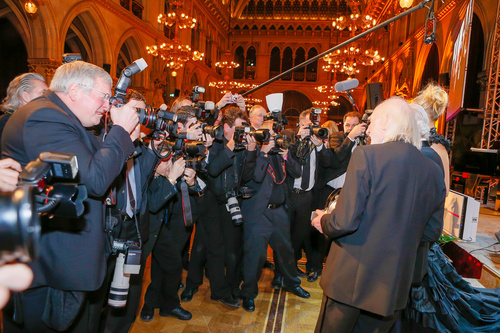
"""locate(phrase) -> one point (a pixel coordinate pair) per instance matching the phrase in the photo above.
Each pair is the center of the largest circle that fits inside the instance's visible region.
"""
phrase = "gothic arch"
(99, 36)
(40, 35)
(132, 41)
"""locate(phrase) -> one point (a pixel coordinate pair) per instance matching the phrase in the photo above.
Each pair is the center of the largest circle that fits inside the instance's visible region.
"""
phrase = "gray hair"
(79, 72)
(16, 87)
(401, 122)
(422, 120)
(254, 109)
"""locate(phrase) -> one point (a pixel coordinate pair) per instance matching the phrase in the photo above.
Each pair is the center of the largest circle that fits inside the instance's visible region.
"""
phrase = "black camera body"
(204, 110)
(280, 142)
(158, 120)
(20, 227)
(261, 136)
(193, 153)
(279, 120)
(118, 99)
(320, 132)
(217, 132)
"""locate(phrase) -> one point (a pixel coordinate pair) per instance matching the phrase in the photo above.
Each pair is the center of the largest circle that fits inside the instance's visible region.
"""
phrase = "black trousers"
(300, 208)
(273, 228)
(166, 264)
(209, 248)
(338, 317)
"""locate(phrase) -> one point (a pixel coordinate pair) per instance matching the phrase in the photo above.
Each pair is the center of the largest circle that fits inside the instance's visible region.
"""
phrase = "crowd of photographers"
(242, 180)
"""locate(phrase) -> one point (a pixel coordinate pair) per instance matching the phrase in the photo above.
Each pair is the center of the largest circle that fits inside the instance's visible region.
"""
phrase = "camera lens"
(234, 209)
(19, 226)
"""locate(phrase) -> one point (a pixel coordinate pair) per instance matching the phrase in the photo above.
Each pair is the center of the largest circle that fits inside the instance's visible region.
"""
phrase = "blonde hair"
(433, 99)
(331, 126)
(400, 121)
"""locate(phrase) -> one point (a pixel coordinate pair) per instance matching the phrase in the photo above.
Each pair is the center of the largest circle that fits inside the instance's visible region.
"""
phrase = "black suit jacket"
(72, 250)
(392, 200)
(262, 183)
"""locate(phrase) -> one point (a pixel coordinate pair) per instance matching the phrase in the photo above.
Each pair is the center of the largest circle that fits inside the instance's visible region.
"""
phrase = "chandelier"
(229, 86)
(251, 101)
(347, 60)
(177, 17)
(174, 54)
(227, 65)
(351, 17)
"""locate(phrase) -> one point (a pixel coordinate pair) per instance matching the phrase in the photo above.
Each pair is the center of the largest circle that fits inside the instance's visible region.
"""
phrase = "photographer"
(267, 222)
(308, 150)
(166, 266)
(72, 257)
(229, 168)
(125, 220)
(344, 143)
(257, 114)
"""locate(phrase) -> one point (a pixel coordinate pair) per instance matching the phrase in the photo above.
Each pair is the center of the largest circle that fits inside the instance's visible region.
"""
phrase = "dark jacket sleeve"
(49, 130)
(249, 166)
(293, 168)
(351, 203)
(341, 146)
(159, 192)
(261, 164)
(221, 158)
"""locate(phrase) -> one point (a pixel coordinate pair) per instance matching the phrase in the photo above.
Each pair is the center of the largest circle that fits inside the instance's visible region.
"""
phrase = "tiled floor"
(297, 315)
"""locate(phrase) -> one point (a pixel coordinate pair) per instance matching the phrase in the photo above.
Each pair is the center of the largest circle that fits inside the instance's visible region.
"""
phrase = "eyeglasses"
(106, 96)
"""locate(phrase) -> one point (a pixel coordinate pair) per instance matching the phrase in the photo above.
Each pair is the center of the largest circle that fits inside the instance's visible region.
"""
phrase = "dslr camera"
(128, 261)
(38, 193)
(261, 135)
(205, 110)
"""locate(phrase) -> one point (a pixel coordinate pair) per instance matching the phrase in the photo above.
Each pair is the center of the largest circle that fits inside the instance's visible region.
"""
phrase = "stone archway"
(130, 51)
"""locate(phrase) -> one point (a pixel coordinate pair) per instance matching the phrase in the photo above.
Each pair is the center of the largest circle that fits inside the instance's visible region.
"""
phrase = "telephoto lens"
(320, 132)
(233, 208)
(120, 284)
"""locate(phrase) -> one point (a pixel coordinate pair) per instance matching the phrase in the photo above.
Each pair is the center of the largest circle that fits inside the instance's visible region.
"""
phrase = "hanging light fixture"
(174, 54)
(405, 3)
(30, 7)
(351, 17)
(177, 16)
(347, 60)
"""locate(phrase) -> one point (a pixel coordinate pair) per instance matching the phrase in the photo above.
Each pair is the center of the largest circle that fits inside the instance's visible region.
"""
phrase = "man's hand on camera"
(358, 130)
(266, 147)
(15, 277)
(240, 101)
(177, 169)
(251, 142)
(196, 131)
(304, 132)
(316, 141)
(125, 116)
(283, 152)
(189, 176)
(9, 174)
(208, 140)
(225, 100)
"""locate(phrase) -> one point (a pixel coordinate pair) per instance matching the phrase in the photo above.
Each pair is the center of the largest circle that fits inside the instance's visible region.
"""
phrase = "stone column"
(44, 66)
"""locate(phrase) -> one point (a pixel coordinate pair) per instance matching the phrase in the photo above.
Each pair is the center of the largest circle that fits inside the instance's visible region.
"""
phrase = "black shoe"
(147, 313)
(178, 313)
(227, 300)
(297, 291)
(277, 282)
(269, 265)
(301, 273)
(187, 294)
(248, 304)
(181, 286)
(313, 276)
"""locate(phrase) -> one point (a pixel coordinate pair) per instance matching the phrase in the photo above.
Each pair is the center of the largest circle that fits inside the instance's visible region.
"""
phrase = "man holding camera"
(166, 265)
(343, 144)
(72, 259)
(308, 150)
(267, 222)
(230, 166)
(257, 115)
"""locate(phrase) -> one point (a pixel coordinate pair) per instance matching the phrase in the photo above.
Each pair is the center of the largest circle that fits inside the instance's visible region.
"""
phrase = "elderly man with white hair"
(391, 201)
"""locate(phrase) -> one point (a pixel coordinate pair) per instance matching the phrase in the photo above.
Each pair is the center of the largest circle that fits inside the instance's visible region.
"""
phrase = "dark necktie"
(306, 173)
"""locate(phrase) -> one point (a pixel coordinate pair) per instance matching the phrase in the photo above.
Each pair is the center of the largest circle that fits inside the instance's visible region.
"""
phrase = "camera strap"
(186, 204)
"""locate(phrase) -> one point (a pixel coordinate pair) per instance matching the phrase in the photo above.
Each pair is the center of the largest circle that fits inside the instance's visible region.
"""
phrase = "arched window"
(239, 57)
(300, 57)
(312, 69)
(287, 63)
(275, 63)
(251, 63)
